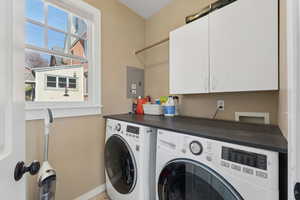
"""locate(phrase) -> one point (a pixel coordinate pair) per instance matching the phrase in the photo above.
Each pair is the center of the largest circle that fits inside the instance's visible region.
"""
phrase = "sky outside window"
(34, 35)
(35, 10)
(57, 18)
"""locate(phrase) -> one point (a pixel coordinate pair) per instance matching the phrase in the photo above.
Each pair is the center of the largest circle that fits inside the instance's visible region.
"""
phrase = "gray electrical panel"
(135, 82)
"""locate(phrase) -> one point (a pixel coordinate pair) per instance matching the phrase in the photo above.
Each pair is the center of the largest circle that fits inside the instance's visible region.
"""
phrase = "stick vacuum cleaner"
(47, 175)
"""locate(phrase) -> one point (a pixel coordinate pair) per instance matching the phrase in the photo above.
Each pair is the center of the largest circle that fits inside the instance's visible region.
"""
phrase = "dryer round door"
(190, 180)
(120, 164)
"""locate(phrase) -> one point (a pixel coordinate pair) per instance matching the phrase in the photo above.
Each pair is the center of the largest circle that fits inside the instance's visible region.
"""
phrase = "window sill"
(37, 113)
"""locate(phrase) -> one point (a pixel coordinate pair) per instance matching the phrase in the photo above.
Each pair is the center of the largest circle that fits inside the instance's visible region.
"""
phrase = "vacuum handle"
(48, 121)
(50, 114)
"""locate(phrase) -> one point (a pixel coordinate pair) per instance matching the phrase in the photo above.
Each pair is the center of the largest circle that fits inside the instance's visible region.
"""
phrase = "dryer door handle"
(297, 191)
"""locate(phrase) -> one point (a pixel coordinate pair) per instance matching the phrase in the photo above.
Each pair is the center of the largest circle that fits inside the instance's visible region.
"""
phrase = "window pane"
(35, 10)
(79, 27)
(51, 78)
(51, 81)
(34, 35)
(78, 47)
(85, 66)
(57, 18)
(34, 59)
(72, 83)
(55, 83)
(62, 82)
(50, 84)
(57, 41)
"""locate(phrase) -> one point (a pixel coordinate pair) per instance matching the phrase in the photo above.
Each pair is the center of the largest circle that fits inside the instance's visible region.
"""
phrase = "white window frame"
(35, 110)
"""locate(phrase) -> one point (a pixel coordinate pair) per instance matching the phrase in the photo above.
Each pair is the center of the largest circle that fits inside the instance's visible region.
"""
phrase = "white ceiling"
(145, 8)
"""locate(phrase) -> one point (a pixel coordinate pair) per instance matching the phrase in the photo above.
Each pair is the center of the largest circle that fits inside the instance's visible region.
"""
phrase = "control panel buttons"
(196, 148)
(225, 164)
(132, 135)
(118, 127)
(242, 157)
(247, 170)
(261, 174)
(209, 158)
(236, 167)
(137, 147)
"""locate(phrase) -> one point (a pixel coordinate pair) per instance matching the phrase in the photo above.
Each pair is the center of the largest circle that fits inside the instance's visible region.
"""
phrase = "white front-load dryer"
(194, 168)
(129, 161)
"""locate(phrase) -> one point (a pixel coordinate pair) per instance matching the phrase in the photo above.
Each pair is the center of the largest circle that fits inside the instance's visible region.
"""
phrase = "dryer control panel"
(250, 159)
(133, 129)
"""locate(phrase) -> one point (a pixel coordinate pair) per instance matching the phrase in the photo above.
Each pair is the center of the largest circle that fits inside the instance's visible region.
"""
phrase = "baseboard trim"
(98, 190)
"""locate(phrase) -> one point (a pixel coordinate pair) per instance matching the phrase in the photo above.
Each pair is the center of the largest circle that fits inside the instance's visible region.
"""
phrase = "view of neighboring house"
(54, 78)
(59, 83)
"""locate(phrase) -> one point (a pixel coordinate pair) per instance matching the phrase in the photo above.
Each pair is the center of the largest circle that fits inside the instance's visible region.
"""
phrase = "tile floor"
(102, 196)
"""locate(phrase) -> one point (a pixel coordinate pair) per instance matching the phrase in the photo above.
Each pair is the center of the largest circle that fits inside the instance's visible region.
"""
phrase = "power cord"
(217, 111)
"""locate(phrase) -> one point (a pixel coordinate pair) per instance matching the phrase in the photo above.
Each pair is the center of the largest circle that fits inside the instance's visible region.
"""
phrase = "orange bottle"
(139, 107)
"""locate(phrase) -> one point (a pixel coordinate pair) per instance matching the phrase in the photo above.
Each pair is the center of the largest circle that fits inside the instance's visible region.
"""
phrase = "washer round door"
(120, 164)
(190, 180)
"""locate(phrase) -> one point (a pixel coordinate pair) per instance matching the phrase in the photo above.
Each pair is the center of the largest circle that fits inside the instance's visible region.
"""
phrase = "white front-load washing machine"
(194, 168)
(129, 161)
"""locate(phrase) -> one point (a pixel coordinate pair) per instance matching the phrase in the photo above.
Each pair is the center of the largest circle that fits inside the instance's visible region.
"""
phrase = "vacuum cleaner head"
(47, 182)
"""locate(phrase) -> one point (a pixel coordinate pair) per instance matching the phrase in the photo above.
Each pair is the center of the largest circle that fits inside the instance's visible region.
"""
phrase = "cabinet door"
(244, 46)
(189, 60)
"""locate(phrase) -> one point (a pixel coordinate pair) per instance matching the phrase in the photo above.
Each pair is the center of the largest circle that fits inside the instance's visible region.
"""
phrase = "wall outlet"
(221, 105)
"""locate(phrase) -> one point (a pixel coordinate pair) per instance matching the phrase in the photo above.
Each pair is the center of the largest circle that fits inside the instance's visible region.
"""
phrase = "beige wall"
(283, 101)
(157, 67)
(76, 152)
(77, 143)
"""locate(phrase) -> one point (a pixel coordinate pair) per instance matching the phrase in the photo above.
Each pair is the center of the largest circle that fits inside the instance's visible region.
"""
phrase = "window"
(59, 82)
(72, 83)
(62, 82)
(51, 81)
(62, 49)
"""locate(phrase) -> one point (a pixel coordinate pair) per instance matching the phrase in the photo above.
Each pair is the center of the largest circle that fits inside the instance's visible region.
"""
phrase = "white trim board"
(62, 112)
(293, 50)
(98, 190)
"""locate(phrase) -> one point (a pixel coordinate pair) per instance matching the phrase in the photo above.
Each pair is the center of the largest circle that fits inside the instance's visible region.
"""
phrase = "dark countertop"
(267, 137)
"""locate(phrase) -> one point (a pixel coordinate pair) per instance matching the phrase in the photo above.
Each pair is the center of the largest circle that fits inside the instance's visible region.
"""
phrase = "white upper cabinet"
(233, 49)
(189, 58)
(244, 46)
